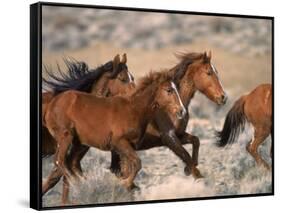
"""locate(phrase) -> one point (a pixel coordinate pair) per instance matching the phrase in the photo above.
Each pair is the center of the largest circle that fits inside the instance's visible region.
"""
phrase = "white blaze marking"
(216, 72)
(171, 134)
(181, 104)
(214, 69)
(130, 77)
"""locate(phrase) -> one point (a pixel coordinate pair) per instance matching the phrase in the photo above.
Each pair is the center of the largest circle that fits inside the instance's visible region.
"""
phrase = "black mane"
(78, 76)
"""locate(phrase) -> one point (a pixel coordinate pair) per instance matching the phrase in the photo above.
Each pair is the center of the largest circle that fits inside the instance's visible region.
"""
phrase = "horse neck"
(187, 88)
(186, 91)
(98, 87)
(142, 102)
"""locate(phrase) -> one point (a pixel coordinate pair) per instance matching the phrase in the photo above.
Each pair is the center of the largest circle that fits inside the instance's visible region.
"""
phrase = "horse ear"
(116, 61)
(124, 58)
(209, 54)
(205, 57)
(204, 54)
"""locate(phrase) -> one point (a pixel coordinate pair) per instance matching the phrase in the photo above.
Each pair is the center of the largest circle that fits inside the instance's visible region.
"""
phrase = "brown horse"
(110, 79)
(256, 108)
(194, 72)
(114, 123)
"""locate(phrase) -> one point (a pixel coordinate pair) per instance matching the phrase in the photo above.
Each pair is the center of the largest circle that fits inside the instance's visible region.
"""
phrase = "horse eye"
(209, 72)
(123, 80)
(169, 90)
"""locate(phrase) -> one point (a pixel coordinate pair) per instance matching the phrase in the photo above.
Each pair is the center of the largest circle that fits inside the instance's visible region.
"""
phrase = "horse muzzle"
(221, 100)
(181, 113)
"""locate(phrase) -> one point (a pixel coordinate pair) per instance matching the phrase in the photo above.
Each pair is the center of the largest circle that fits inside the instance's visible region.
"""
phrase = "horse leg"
(149, 141)
(259, 136)
(132, 164)
(172, 142)
(52, 180)
(64, 141)
(186, 138)
(78, 151)
(65, 191)
(115, 166)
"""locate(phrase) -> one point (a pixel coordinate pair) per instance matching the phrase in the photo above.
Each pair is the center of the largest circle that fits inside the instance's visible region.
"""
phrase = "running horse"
(110, 124)
(110, 79)
(255, 108)
(194, 72)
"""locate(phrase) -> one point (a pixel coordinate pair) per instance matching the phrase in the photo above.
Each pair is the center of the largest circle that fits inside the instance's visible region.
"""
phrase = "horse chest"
(180, 124)
(135, 132)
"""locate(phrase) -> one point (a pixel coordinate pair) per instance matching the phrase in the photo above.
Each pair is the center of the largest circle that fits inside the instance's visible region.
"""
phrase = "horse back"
(99, 121)
(258, 104)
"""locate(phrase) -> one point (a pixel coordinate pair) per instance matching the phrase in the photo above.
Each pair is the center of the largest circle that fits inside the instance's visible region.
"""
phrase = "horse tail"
(233, 125)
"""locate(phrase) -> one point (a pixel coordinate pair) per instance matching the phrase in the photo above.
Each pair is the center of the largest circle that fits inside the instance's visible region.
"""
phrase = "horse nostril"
(224, 98)
(183, 112)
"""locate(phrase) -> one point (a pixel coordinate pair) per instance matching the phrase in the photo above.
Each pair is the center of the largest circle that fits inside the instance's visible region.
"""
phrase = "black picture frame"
(35, 102)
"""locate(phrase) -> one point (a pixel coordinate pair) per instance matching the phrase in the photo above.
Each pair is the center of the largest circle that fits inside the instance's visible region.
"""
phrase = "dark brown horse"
(110, 79)
(110, 124)
(255, 108)
(194, 72)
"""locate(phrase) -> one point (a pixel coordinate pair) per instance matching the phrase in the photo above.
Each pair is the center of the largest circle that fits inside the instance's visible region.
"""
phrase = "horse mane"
(175, 74)
(152, 78)
(186, 59)
(77, 77)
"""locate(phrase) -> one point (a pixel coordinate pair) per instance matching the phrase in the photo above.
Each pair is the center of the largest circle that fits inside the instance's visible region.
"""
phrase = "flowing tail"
(233, 125)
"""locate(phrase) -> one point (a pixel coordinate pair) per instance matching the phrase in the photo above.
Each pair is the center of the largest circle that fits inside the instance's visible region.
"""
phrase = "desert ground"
(227, 171)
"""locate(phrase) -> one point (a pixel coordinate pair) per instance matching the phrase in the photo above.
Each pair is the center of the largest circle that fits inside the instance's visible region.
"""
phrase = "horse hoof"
(116, 172)
(187, 171)
(130, 186)
(266, 166)
(69, 203)
(82, 178)
(79, 177)
(196, 174)
(134, 187)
